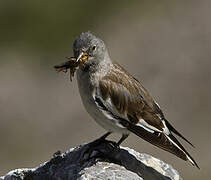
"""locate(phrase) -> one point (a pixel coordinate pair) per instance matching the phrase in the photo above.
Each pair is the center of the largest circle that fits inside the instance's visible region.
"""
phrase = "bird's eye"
(94, 47)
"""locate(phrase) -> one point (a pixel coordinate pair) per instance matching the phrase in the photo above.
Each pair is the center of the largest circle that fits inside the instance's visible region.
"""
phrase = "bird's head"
(87, 48)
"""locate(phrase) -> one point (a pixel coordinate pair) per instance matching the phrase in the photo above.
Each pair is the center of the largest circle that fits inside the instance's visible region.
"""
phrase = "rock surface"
(103, 162)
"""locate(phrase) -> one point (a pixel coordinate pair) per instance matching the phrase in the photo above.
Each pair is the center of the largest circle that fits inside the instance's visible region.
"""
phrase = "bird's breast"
(87, 84)
(86, 89)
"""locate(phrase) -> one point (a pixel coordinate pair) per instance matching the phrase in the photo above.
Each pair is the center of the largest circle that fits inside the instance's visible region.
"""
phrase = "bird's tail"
(166, 142)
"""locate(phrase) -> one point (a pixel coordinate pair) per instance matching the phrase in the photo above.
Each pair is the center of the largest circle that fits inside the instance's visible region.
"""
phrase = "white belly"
(86, 87)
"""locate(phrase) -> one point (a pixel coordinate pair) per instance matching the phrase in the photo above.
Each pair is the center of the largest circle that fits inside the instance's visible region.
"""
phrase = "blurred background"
(165, 44)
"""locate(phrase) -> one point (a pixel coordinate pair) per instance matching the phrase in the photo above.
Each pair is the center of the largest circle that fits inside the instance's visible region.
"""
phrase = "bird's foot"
(100, 149)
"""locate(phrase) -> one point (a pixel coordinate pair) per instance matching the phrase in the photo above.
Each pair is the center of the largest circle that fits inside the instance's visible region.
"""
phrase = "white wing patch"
(165, 129)
(105, 108)
(142, 123)
(146, 128)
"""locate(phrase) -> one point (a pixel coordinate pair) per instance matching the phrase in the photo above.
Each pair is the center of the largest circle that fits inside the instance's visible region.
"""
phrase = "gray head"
(89, 46)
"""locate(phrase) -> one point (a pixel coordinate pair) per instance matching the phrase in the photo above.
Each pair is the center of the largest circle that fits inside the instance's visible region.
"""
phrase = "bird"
(118, 102)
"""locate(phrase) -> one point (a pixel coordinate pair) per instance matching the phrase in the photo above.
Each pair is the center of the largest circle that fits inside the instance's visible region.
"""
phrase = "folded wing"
(123, 99)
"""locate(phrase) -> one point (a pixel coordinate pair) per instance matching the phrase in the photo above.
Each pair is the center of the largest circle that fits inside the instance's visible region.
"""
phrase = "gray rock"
(104, 161)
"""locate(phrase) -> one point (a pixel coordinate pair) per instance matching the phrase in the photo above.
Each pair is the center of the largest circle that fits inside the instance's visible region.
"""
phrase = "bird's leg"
(99, 140)
(93, 145)
(124, 136)
(103, 137)
(114, 148)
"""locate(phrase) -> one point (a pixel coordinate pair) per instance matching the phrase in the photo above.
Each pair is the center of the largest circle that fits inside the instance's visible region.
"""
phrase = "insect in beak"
(83, 57)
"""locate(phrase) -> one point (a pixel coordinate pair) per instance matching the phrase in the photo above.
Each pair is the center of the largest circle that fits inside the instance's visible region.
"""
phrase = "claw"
(100, 154)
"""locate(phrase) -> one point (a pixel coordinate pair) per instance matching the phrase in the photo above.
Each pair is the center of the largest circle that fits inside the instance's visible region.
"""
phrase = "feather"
(171, 128)
(166, 142)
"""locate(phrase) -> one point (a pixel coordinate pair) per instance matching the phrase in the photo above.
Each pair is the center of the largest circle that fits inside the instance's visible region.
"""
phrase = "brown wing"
(128, 95)
(130, 98)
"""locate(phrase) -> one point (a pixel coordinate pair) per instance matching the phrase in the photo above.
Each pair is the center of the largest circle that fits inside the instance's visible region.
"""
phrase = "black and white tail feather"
(160, 139)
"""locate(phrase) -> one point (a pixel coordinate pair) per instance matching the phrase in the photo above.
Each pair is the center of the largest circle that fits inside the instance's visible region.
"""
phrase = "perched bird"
(118, 102)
